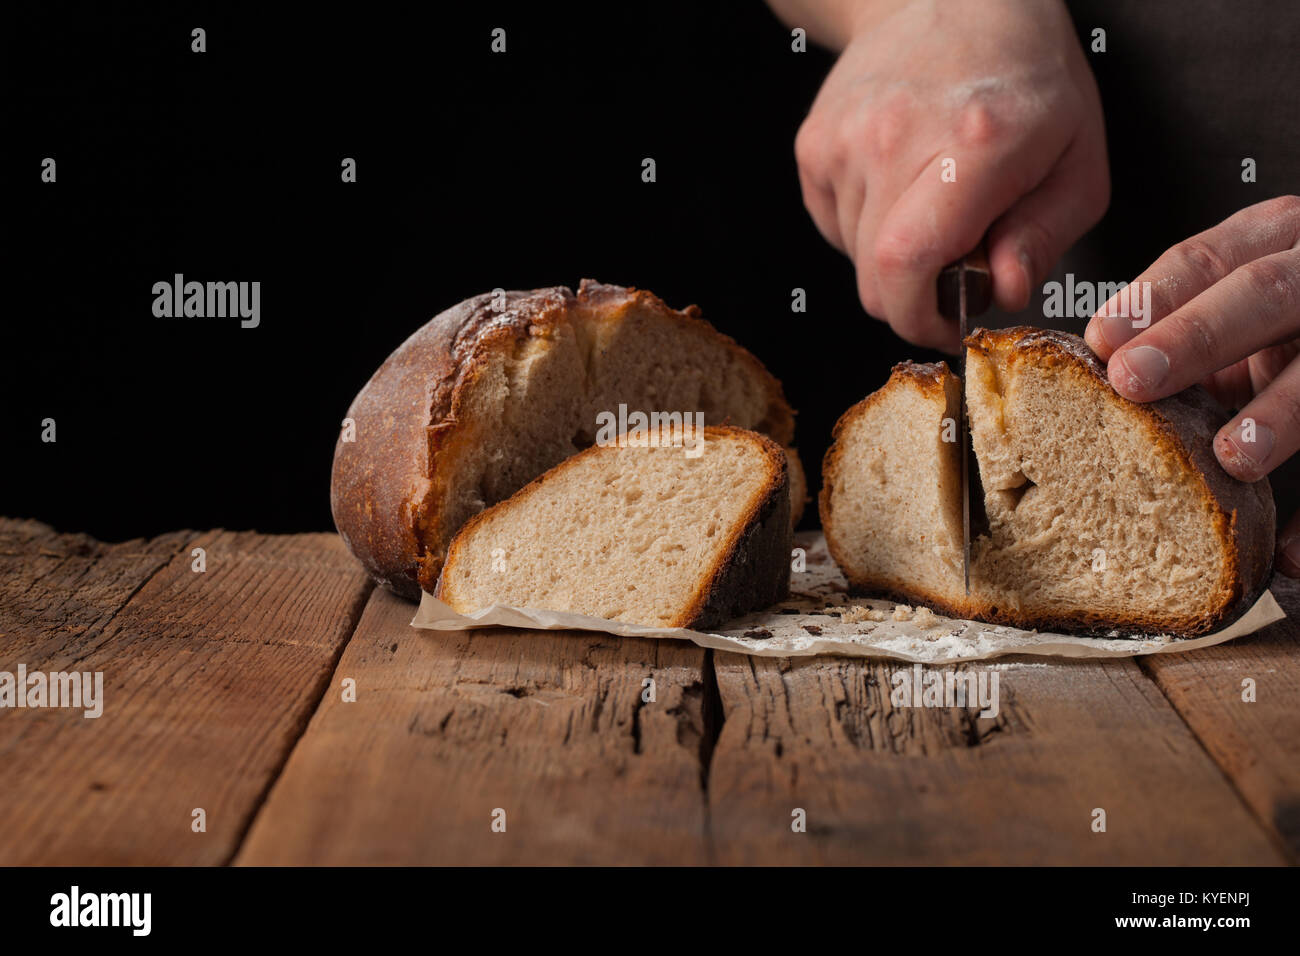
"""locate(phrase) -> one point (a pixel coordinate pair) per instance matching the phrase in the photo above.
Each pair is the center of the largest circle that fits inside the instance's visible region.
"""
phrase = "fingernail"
(1092, 335)
(1114, 327)
(1244, 451)
(1027, 267)
(1288, 557)
(1143, 368)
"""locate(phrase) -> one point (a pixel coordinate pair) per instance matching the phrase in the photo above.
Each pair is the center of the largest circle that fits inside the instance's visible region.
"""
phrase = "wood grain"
(208, 680)
(888, 785)
(448, 727)
(1257, 744)
(211, 680)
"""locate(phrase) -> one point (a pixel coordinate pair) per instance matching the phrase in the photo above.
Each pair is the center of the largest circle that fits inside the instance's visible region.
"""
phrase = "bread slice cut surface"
(1101, 512)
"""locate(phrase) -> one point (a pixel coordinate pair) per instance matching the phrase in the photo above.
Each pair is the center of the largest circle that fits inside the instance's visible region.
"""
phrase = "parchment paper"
(813, 622)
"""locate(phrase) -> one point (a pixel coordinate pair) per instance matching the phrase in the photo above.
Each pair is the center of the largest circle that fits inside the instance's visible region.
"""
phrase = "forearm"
(832, 23)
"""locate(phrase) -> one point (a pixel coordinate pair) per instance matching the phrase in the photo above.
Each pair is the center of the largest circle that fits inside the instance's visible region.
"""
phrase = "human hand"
(1001, 87)
(1224, 311)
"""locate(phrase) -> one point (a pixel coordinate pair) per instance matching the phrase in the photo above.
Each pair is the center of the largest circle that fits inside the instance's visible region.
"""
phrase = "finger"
(1231, 386)
(1027, 240)
(1237, 384)
(936, 222)
(1256, 306)
(1288, 548)
(850, 195)
(1187, 269)
(879, 195)
(1266, 432)
(820, 203)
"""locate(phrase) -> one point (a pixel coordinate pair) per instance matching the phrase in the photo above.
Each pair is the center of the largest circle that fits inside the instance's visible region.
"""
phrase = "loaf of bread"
(1092, 511)
(494, 391)
(646, 535)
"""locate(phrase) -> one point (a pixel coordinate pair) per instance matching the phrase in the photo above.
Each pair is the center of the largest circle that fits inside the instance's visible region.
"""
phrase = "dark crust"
(382, 488)
(929, 377)
(753, 573)
(1185, 424)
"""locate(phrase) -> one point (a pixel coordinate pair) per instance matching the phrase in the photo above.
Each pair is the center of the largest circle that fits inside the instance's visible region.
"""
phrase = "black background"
(333, 908)
(475, 170)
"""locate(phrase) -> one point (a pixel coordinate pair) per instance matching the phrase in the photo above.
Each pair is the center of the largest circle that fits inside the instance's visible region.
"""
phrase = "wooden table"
(225, 692)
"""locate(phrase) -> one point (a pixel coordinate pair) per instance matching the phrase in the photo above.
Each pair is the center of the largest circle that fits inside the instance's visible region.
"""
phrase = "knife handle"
(974, 267)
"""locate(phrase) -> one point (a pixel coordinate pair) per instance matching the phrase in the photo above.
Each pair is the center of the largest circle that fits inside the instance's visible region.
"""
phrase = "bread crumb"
(857, 614)
(925, 618)
(902, 612)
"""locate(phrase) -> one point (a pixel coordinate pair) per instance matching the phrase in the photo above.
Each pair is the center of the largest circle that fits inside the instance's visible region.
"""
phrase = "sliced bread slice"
(1101, 512)
(645, 535)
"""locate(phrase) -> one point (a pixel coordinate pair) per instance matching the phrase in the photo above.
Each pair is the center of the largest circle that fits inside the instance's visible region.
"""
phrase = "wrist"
(863, 16)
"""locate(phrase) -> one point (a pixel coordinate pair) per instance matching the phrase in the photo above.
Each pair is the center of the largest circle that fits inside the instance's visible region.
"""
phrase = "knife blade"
(965, 290)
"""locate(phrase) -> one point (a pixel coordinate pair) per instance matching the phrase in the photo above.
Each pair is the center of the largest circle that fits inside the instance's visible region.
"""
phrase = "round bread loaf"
(496, 390)
(1096, 512)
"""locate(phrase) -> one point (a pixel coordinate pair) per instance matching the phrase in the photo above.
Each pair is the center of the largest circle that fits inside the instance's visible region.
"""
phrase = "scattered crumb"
(857, 614)
(902, 612)
(758, 632)
(925, 618)
(1011, 665)
(813, 629)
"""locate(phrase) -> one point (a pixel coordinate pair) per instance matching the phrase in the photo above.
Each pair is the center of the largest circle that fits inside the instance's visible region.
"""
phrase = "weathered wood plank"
(888, 785)
(447, 728)
(1257, 744)
(59, 591)
(208, 680)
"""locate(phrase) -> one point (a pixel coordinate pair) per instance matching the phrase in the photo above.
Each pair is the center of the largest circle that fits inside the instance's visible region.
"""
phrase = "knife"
(965, 290)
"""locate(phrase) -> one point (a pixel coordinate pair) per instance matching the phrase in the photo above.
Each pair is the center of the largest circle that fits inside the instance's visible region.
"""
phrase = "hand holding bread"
(1224, 311)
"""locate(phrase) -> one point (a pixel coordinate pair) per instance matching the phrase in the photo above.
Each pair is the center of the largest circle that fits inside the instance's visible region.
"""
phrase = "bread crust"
(386, 485)
(752, 572)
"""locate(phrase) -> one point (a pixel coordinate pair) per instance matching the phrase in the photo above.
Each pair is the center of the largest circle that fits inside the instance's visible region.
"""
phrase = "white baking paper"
(810, 622)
